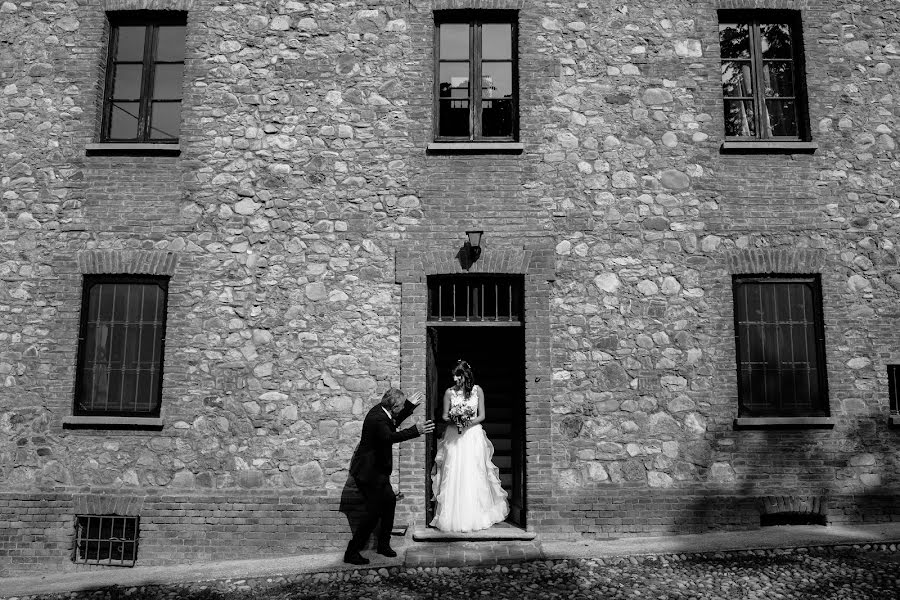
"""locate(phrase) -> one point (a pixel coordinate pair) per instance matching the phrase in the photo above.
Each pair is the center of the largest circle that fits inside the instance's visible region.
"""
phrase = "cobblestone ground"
(773, 574)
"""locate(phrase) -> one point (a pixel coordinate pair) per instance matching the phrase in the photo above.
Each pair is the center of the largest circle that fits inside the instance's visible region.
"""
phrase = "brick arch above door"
(414, 264)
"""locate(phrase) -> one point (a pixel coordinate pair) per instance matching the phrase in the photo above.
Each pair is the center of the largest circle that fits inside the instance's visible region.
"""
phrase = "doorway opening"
(492, 341)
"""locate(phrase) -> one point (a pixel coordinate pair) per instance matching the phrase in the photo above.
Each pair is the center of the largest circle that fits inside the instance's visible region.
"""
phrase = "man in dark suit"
(371, 468)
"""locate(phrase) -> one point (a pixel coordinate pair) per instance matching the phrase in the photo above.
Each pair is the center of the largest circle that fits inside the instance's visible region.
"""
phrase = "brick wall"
(304, 212)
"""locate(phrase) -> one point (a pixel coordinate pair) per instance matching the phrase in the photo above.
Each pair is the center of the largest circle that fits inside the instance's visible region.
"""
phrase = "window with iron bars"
(475, 298)
(894, 388)
(106, 540)
(120, 350)
(780, 347)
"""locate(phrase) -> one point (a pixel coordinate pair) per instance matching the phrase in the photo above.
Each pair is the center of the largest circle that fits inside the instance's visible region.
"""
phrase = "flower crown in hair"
(461, 363)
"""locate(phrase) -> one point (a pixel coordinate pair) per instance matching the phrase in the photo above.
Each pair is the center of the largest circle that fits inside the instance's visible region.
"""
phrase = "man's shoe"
(355, 558)
(386, 551)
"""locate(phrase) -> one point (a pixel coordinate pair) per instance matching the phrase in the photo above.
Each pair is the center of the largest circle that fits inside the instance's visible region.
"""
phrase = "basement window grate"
(106, 540)
(792, 518)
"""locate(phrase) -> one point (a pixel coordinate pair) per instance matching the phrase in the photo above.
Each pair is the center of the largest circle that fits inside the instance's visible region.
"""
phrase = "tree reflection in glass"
(758, 79)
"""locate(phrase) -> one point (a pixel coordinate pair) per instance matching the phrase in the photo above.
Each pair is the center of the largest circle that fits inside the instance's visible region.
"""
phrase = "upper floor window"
(763, 75)
(145, 69)
(780, 347)
(120, 347)
(476, 81)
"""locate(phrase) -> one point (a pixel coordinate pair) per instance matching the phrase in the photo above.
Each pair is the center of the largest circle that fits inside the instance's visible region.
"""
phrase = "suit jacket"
(373, 459)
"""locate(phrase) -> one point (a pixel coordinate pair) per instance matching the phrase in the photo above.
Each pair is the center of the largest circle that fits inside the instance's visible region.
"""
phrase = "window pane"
(755, 344)
(779, 78)
(734, 40)
(801, 303)
(454, 80)
(496, 41)
(105, 294)
(782, 117)
(165, 121)
(736, 79)
(739, 118)
(131, 43)
(148, 344)
(135, 303)
(454, 39)
(799, 343)
(496, 118)
(120, 300)
(132, 347)
(454, 119)
(752, 293)
(170, 43)
(124, 121)
(152, 303)
(127, 82)
(775, 40)
(496, 80)
(167, 82)
(769, 309)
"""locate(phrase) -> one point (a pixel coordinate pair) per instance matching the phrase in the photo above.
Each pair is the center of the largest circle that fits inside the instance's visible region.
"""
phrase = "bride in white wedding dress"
(466, 484)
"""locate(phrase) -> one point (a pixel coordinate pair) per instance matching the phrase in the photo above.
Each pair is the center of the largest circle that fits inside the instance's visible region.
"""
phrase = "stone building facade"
(307, 209)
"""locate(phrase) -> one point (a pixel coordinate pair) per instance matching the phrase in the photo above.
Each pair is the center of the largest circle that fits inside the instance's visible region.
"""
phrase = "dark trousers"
(380, 504)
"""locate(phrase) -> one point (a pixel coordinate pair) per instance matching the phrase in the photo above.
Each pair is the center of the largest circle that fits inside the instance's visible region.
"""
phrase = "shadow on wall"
(352, 504)
(799, 476)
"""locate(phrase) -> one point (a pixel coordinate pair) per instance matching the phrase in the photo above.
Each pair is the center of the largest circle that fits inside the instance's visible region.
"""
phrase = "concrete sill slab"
(494, 534)
(475, 147)
(769, 146)
(147, 423)
(784, 423)
(128, 149)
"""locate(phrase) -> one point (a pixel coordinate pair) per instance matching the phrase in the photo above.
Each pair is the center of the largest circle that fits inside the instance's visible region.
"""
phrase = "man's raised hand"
(426, 427)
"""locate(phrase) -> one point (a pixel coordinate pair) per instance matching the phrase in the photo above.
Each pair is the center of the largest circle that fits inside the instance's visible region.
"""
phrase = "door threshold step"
(494, 534)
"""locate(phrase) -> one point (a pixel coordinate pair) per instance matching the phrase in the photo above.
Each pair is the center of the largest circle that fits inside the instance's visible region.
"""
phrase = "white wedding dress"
(465, 483)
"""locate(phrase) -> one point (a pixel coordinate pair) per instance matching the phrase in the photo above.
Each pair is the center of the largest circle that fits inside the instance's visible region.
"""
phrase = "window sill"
(476, 147)
(784, 423)
(132, 149)
(769, 146)
(146, 423)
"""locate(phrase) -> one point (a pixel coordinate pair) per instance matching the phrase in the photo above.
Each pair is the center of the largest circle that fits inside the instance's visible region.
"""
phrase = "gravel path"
(769, 574)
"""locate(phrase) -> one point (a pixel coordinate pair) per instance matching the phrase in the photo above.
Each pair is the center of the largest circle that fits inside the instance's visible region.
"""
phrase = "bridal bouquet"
(461, 414)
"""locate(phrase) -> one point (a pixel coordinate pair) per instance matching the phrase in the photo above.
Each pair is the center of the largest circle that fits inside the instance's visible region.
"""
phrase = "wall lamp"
(473, 245)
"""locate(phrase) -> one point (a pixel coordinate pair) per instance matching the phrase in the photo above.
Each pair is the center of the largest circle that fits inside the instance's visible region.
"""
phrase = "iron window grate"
(780, 346)
(121, 345)
(106, 540)
(472, 299)
(894, 388)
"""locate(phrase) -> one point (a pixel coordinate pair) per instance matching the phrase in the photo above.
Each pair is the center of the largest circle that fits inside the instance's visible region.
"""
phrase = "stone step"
(501, 533)
(470, 554)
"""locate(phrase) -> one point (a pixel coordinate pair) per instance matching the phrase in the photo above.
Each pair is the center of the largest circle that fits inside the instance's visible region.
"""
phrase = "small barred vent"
(106, 540)
(793, 510)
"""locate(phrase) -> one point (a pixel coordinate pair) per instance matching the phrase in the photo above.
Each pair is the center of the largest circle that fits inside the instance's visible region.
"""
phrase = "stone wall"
(303, 187)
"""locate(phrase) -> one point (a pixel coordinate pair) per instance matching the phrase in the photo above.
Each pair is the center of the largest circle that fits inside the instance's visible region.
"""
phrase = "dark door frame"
(518, 496)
